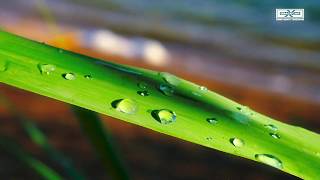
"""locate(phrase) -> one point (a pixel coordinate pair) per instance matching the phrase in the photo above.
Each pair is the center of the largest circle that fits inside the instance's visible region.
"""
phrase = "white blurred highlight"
(151, 51)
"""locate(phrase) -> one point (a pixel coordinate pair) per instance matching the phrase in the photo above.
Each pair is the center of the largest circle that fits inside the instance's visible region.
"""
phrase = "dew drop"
(269, 160)
(209, 138)
(143, 85)
(143, 93)
(237, 142)
(47, 68)
(87, 76)
(245, 110)
(166, 90)
(271, 127)
(69, 76)
(164, 116)
(127, 106)
(60, 50)
(274, 135)
(170, 78)
(203, 88)
(196, 93)
(212, 120)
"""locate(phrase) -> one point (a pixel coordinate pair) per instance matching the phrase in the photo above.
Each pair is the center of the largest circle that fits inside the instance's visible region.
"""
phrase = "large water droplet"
(47, 68)
(164, 116)
(88, 76)
(271, 127)
(69, 76)
(143, 85)
(169, 78)
(269, 160)
(143, 93)
(237, 142)
(127, 106)
(166, 89)
(212, 120)
(275, 135)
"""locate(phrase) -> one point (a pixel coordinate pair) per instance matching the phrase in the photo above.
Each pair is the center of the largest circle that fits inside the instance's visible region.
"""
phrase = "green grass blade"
(137, 95)
(102, 141)
(40, 139)
(39, 167)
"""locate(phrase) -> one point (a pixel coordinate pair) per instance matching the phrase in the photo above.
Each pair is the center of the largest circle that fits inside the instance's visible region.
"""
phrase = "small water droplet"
(166, 90)
(245, 110)
(164, 116)
(60, 50)
(143, 93)
(209, 138)
(69, 76)
(127, 106)
(203, 88)
(47, 68)
(196, 93)
(212, 120)
(88, 76)
(269, 160)
(143, 85)
(170, 78)
(274, 135)
(271, 127)
(237, 142)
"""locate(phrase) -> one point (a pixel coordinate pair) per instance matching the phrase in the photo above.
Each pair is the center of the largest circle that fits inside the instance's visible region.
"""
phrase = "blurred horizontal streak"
(245, 45)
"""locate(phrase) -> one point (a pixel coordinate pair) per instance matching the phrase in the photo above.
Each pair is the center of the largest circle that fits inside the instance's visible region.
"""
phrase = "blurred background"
(235, 48)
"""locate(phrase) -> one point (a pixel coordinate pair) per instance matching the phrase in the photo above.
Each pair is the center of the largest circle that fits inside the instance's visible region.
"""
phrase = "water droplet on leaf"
(271, 127)
(166, 89)
(127, 106)
(269, 160)
(274, 135)
(69, 76)
(143, 93)
(170, 78)
(143, 85)
(237, 142)
(209, 138)
(212, 120)
(47, 68)
(88, 76)
(164, 116)
(203, 88)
